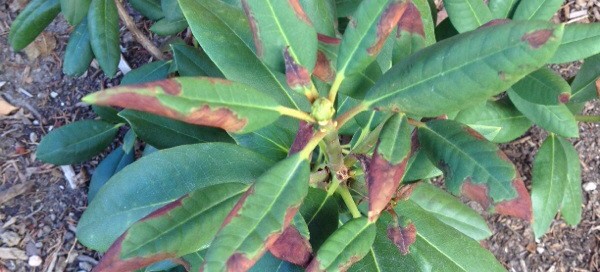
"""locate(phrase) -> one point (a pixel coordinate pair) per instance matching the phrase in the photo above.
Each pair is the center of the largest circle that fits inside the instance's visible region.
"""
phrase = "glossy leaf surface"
(108, 167)
(147, 73)
(78, 54)
(586, 85)
(502, 8)
(193, 62)
(103, 24)
(537, 10)
(32, 20)
(450, 211)
(554, 118)
(76, 142)
(74, 10)
(467, 15)
(498, 114)
(184, 226)
(277, 25)
(549, 180)
(108, 114)
(165, 27)
(121, 202)
(224, 33)
(149, 8)
(163, 132)
(347, 245)
(410, 35)
(273, 141)
(196, 100)
(420, 167)
(322, 15)
(543, 87)
(260, 217)
(366, 34)
(580, 41)
(438, 79)
(320, 211)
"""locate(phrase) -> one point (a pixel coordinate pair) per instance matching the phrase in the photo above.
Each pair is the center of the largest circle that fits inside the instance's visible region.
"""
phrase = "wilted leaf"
(437, 80)
(260, 216)
(212, 102)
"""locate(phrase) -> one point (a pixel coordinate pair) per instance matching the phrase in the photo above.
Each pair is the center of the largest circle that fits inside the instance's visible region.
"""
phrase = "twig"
(137, 34)
(69, 175)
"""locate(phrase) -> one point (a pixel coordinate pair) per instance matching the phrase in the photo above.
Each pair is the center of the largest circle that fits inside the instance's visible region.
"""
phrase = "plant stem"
(335, 87)
(347, 197)
(137, 34)
(588, 118)
(296, 114)
(342, 119)
(333, 149)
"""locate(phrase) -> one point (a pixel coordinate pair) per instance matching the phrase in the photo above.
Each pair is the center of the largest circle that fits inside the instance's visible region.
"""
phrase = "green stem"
(335, 87)
(333, 149)
(347, 197)
(588, 118)
(296, 114)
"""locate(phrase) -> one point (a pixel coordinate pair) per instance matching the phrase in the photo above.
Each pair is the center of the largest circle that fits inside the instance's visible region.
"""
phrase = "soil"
(40, 218)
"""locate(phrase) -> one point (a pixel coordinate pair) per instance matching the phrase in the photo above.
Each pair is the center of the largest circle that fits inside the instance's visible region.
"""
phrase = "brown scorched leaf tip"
(402, 237)
(387, 22)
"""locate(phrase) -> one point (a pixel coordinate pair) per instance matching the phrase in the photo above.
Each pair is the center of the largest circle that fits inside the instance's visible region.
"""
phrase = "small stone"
(53, 94)
(35, 261)
(85, 266)
(590, 186)
(540, 250)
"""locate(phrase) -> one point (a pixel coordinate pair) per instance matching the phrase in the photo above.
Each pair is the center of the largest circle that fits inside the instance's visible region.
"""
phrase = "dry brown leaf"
(43, 46)
(6, 108)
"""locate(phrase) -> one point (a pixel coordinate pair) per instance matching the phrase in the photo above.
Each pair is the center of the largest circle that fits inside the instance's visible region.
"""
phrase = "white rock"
(590, 186)
(540, 250)
(35, 261)
(53, 94)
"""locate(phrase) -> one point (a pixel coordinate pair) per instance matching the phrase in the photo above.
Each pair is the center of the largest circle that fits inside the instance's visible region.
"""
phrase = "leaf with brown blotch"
(293, 245)
(203, 101)
(177, 229)
(297, 76)
(402, 237)
(305, 132)
(387, 167)
(260, 216)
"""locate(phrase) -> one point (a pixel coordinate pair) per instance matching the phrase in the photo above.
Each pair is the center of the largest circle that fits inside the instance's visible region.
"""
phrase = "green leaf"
(498, 114)
(224, 33)
(410, 37)
(280, 24)
(260, 216)
(572, 198)
(467, 15)
(549, 179)
(74, 10)
(108, 114)
(108, 167)
(193, 62)
(76, 142)
(349, 244)
(388, 164)
(502, 9)
(270, 263)
(171, 10)
(32, 20)
(445, 30)
(439, 247)
(103, 24)
(537, 10)
(420, 167)
(320, 211)
(165, 27)
(78, 54)
(474, 167)
(543, 87)
(273, 141)
(129, 141)
(438, 79)
(580, 41)
(164, 133)
(204, 101)
(147, 73)
(194, 260)
(365, 35)
(345, 8)
(586, 85)
(322, 15)
(450, 211)
(182, 227)
(149, 8)
(428, 12)
(554, 118)
(131, 195)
